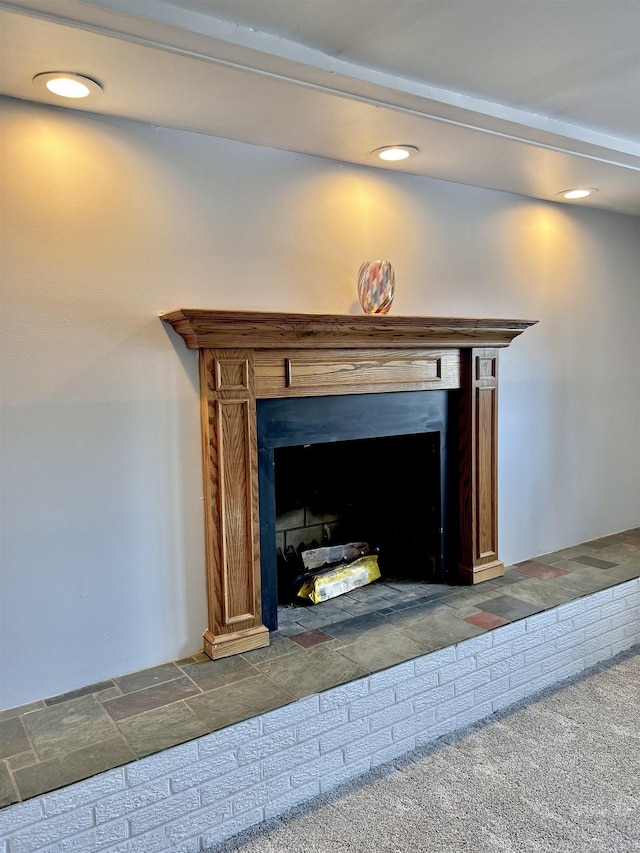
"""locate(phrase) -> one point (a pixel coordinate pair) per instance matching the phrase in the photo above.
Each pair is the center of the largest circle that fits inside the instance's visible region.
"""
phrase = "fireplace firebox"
(368, 468)
(255, 368)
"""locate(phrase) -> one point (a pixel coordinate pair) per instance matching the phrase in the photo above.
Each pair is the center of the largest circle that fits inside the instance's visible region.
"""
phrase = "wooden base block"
(225, 645)
(481, 573)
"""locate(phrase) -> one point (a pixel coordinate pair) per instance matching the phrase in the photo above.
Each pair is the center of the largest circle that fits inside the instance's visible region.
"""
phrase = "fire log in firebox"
(335, 570)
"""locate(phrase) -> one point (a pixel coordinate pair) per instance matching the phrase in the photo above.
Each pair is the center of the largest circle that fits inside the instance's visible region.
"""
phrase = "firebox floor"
(56, 741)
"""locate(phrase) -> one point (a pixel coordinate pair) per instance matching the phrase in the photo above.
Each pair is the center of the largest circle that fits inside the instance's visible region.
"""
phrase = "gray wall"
(105, 224)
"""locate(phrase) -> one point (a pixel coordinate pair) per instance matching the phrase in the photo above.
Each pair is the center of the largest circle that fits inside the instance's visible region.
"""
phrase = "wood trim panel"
(236, 523)
(287, 373)
(232, 374)
(260, 330)
(479, 465)
(486, 546)
(230, 494)
(337, 373)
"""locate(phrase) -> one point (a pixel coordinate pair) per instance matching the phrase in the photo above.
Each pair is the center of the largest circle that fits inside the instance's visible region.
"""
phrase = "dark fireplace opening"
(381, 492)
(369, 468)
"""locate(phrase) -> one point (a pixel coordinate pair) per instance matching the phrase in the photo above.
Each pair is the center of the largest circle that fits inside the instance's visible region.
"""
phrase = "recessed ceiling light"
(584, 192)
(396, 152)
(67, 85)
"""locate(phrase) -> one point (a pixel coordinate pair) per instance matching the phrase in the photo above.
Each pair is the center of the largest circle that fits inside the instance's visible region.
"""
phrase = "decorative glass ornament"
(376, 285)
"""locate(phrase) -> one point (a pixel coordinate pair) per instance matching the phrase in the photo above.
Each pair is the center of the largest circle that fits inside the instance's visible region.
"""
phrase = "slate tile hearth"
(63, 739)
(510, 608)
(594, 561)
(311, 638)
(486, 620)
(533, 569)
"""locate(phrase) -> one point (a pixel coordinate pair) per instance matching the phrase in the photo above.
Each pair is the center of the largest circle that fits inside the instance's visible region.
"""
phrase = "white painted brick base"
(198, 794)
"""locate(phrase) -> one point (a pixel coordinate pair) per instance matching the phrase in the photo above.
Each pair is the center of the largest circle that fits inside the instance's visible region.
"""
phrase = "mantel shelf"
(208, 329)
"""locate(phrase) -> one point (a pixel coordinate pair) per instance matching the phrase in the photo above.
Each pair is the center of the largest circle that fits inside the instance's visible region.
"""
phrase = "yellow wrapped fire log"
(341, 579)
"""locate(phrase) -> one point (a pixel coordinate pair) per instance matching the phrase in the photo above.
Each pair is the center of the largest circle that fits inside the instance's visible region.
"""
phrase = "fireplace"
(370, 468)
(259, 368)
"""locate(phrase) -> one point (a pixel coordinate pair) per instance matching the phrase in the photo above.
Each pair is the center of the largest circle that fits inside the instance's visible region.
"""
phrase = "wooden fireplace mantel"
(261, 330)
(247, 356)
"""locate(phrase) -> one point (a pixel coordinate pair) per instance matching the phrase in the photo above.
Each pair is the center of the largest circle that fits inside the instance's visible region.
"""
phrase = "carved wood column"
(231, 502)
(479, 466)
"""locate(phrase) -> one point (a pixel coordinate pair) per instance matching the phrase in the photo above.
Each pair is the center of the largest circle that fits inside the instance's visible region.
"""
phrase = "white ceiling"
(526, 96)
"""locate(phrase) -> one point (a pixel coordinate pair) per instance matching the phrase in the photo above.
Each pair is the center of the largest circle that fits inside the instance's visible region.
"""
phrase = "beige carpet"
(561, 774)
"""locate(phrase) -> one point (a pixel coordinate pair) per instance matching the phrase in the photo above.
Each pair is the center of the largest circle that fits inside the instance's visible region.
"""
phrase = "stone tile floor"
(63, 739)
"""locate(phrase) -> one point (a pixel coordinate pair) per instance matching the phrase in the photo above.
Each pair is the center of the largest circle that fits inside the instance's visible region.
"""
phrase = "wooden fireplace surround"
(246, 356)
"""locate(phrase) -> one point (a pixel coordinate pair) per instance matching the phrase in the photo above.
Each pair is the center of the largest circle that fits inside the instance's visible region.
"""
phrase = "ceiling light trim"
(76, 83)
(395, 153)
(578, 193)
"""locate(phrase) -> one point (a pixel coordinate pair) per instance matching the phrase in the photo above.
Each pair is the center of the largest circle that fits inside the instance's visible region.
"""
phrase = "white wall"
(105, 224)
